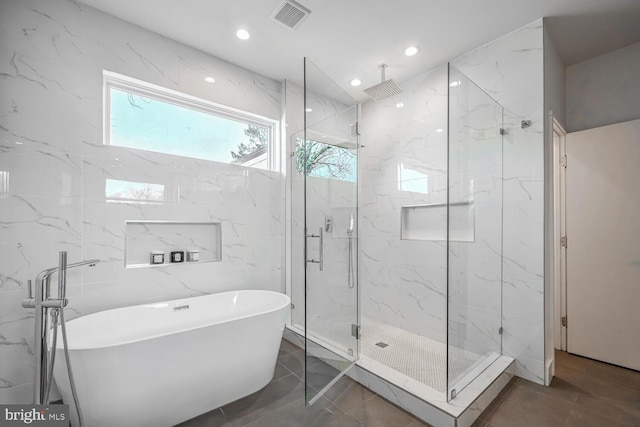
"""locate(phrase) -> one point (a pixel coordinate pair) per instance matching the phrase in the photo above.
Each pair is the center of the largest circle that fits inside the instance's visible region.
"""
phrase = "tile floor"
(584, 393)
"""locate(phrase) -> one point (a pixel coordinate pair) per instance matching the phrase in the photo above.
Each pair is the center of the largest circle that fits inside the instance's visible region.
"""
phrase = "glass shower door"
(474, 338)
(326, 155)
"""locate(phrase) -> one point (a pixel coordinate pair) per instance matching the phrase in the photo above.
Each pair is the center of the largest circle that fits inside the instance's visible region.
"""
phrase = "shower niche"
(429, 222)
(144, 237)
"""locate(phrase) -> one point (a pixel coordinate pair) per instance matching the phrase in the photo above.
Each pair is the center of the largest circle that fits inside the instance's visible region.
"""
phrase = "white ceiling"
(350, 38)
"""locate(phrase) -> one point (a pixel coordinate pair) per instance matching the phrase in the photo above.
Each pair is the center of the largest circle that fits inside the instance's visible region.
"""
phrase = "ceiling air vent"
(291, 14)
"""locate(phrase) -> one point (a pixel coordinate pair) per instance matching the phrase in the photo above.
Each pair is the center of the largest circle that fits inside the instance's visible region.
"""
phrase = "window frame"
(160, 93)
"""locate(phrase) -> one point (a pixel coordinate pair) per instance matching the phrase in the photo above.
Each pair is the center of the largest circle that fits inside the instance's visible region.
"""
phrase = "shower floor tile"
(417, 357)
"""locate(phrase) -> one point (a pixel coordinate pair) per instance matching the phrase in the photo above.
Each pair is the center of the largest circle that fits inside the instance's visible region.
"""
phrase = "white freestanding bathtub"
(163, 363)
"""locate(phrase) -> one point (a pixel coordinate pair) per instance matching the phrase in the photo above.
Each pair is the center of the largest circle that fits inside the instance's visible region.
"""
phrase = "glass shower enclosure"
(396, 232)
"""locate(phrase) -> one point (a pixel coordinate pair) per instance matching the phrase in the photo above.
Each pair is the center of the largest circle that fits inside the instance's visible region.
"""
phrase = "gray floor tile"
(569, 375)
(287, 347)
(320, 374)
(584, 393)
(275, 395)
(296, 414)
(584, 417)
(528, 408)
(560, 389)
(624, 413)
(281, 371)
(294, 362)
(215, 418)
(567, 360)
(344, 421)
(613, 373)
(612, 391)
(346, 394)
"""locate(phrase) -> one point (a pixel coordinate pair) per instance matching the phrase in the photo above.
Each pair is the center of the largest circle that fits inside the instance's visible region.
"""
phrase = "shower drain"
(382, 344)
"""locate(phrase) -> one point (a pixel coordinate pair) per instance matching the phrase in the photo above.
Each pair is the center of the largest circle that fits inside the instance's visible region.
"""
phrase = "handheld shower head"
(351, 224)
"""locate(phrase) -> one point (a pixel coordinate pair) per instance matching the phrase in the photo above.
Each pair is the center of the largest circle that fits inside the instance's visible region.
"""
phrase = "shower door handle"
(320, 236)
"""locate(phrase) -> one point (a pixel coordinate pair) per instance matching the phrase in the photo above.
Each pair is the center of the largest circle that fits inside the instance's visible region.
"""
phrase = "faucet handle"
(29, 302)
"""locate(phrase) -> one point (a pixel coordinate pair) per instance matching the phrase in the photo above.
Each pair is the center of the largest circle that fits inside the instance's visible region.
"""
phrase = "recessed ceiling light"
(399, 105)
(439, 130)
(209, 79)
(454, 84)
(308, 110)
(243, 34)
(411, 50)
(356, 82)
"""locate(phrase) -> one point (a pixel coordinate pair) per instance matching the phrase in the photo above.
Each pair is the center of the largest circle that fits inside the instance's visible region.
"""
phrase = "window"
(325, 160)
(133, 192)
(149, 117)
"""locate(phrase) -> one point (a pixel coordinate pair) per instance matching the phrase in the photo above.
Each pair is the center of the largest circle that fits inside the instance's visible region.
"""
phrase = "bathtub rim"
(286, 303)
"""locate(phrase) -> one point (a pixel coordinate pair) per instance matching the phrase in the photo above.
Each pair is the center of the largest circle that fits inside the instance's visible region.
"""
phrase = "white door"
(603, 236)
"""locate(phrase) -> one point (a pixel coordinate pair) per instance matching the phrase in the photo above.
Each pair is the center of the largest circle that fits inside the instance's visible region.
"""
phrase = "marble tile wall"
(510, 70)
(54, 167)
(403, 162)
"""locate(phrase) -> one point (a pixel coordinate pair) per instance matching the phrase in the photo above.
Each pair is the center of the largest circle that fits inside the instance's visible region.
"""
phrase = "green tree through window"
(325, 160)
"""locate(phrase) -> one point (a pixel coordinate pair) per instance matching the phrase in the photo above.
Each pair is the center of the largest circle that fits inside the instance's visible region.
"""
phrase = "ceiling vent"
(291, 14)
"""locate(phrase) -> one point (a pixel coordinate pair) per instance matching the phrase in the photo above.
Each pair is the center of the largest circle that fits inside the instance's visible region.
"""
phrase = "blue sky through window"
(153, 125)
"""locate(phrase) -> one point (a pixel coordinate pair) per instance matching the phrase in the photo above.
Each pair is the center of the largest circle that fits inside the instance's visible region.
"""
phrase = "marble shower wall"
(510, 70)
(54, 165)
(403, 162)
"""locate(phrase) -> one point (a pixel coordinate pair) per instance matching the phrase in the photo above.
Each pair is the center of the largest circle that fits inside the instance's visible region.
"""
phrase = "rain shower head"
(385, 89)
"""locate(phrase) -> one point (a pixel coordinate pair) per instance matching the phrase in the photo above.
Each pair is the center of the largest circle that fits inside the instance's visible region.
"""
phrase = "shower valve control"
(157, 257)
(328, 224)
(177, 256)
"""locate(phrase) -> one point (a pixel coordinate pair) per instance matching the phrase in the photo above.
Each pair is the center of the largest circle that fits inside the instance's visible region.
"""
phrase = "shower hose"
(351, 271)
(63, 325)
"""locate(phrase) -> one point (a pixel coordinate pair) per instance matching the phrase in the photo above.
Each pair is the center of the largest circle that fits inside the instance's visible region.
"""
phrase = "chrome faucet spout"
(46, 274)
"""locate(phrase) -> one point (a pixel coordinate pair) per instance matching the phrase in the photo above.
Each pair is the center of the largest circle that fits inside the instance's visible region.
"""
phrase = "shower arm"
(382, 67)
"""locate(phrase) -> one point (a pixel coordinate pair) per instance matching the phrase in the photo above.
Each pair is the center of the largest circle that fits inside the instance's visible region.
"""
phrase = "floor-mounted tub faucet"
(40, 299)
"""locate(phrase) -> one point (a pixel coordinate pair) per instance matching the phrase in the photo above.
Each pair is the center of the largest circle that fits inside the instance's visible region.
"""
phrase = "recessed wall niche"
(429, 222)
(144, 237)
